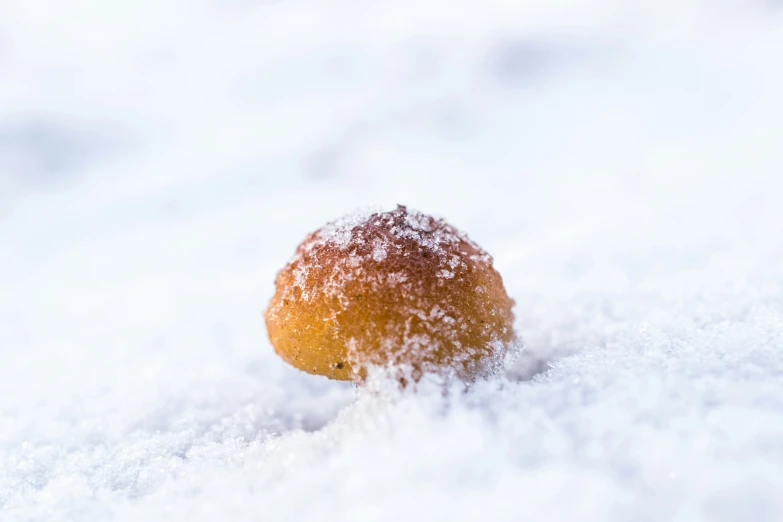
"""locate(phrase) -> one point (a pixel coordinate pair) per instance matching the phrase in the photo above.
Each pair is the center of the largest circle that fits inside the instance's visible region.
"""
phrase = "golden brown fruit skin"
(395, 288)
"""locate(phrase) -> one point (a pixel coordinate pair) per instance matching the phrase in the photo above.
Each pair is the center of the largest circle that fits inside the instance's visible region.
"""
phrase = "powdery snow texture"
(161, 160)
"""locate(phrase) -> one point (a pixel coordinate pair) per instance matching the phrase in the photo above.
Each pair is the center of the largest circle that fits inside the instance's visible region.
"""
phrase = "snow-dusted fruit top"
(397, 289)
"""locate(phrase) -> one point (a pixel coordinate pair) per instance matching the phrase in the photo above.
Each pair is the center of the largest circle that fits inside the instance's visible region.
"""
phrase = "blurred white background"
(160, 160)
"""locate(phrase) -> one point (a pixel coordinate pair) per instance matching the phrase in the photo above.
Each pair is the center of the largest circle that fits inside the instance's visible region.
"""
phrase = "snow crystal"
(379, 252)
(339, 231)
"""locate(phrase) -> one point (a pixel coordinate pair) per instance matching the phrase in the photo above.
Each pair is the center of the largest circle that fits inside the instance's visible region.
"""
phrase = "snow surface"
(160, 160)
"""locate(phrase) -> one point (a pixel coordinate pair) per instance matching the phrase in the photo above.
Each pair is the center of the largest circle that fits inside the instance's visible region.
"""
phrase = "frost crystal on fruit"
(396, 289)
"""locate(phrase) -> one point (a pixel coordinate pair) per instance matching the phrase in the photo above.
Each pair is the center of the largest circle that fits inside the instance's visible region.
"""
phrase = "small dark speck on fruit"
(339, 366)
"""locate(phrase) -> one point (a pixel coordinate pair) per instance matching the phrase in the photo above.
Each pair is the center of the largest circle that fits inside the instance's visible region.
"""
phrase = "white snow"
(621, 161)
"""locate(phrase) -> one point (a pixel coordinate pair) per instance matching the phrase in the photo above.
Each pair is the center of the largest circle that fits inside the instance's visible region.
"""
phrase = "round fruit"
(390, 289)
